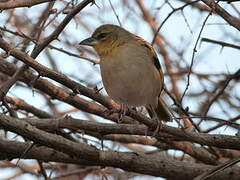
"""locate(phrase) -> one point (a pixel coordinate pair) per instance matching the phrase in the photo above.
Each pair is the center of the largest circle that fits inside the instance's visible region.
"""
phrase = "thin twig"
(217, 169)
(169, 15)
(115, 13)
(193, 55)
(224, 44)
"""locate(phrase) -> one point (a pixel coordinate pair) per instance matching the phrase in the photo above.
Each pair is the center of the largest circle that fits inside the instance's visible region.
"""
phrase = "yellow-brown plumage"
(130, 69)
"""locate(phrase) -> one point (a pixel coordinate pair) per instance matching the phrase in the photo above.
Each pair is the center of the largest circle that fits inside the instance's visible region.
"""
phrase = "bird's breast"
(130, 78)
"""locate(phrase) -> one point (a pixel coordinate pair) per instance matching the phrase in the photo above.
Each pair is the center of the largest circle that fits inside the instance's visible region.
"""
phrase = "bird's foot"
(122, 112)
(158, 128)
(111, 111)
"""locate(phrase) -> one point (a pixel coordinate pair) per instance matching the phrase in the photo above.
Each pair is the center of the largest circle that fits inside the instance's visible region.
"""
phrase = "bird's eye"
(102, 35)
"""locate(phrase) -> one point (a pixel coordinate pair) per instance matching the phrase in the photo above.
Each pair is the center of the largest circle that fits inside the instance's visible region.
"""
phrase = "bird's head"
(106, 38)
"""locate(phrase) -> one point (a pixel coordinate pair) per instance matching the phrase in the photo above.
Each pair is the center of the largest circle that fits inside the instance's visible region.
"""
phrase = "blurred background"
(198, 51)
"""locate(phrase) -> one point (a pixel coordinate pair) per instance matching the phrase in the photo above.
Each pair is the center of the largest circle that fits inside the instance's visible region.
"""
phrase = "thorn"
(97, 90)
(94, 3)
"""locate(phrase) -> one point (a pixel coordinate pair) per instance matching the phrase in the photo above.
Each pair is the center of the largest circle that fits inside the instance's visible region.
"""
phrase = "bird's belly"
(128, 85)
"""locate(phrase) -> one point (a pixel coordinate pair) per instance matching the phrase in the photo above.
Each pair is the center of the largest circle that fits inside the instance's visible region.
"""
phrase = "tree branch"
(231, 20)
(21, 3)
(141, 163)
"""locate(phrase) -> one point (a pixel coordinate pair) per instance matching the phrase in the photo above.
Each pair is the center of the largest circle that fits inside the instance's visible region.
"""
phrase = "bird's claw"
(122, 112)
(158, 128)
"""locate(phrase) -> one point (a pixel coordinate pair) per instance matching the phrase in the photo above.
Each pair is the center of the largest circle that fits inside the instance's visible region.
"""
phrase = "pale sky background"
(175, 30)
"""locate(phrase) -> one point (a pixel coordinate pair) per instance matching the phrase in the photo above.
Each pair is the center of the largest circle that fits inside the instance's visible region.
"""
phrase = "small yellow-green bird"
(130, 70)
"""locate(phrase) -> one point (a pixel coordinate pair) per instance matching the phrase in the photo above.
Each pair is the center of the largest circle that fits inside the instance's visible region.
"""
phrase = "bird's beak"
(89, 41)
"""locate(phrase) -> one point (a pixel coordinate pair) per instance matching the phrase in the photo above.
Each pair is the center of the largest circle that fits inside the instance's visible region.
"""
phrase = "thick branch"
(136, 162)
(221, 141)
(21, 3)
(62, 94)
(233, 21)
(44, 71)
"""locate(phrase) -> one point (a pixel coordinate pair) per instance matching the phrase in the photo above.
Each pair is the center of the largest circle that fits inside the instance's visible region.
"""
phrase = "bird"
(130, 69)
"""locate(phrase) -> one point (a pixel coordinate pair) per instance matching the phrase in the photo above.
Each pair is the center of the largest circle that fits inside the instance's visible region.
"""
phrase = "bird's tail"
(162, 111)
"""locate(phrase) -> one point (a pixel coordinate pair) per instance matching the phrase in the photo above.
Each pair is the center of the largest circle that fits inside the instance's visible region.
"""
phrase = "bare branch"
(21, 3)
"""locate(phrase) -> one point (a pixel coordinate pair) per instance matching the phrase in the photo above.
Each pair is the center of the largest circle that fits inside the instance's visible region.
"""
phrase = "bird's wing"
(151, 52)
